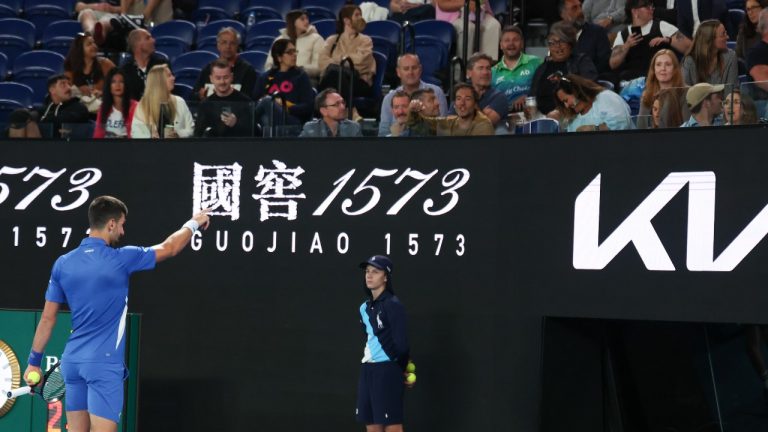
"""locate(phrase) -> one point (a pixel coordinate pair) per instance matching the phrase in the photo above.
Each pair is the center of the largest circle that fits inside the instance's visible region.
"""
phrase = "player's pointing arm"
(179, 239)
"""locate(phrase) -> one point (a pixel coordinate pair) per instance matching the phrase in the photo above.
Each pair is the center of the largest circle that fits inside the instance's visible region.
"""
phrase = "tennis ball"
(411, 378)
(33, 377)
(411, 368)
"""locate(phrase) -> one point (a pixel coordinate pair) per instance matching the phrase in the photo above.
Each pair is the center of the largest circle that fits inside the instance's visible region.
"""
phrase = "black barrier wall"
(255, 327)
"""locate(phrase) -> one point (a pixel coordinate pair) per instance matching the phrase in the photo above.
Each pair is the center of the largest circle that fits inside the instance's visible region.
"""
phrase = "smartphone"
(227, 110)
(636, 30)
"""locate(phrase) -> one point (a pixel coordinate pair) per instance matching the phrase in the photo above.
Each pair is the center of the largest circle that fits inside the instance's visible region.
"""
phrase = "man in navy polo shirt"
(493, 103)
(93, 281)
(386, 353)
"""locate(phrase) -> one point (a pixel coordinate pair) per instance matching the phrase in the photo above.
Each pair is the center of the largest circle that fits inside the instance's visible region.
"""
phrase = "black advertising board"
(255, 326)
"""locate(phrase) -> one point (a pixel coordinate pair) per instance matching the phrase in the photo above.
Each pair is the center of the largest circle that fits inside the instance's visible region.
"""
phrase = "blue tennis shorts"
(380, 394)
(95, 387)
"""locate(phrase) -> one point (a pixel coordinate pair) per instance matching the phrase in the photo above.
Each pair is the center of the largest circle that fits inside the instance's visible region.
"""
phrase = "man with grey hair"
(409, 72)
(141, 44)
(244, 75)
(757, 58)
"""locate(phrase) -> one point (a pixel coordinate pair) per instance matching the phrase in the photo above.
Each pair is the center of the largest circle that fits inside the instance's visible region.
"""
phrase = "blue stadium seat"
(369, 107)
(58, 36)
(33, 68)
(182, 90)
(3, 66)
(389, 30)
(20, 93)
(265, 28)
(187, 66)
(212, 10)
(263, 10)
(206, 36)
(16, 36)
(321, 9)
(10, 9)
(43, 12)
(180, 29)
(174, 38)
(256, 59)
(327, 27)
(735, 18)
(260, 43)
(441, 30)
(433, 54)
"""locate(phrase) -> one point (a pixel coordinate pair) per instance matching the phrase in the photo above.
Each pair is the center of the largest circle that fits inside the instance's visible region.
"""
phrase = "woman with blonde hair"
(157, 102)
(710, 60)
(663, 74)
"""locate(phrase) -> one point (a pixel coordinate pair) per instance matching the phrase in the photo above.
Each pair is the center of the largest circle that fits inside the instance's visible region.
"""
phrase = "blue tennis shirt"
(93, 281)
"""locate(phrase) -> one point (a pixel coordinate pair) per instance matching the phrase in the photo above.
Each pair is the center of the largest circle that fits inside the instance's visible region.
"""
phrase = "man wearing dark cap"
(386, 354)
(706, 103)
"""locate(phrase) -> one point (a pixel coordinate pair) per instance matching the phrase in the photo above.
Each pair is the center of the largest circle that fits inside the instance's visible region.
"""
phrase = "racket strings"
(54, 387)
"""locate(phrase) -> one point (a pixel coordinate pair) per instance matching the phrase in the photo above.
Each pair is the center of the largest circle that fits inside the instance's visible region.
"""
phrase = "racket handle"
(19, 392)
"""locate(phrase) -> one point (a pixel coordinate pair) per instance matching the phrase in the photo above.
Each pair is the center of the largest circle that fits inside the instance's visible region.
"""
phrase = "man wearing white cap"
(706, 103)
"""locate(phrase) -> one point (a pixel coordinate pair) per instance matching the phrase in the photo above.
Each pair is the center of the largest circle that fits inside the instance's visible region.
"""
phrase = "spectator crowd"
(609, 65)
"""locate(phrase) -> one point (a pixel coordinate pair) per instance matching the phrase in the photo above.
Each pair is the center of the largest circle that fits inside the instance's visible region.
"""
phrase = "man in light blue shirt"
(93, 280)
(409, 72)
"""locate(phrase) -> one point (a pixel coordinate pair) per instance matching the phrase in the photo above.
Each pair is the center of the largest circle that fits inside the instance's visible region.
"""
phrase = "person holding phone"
(635, 46)
(227, 112)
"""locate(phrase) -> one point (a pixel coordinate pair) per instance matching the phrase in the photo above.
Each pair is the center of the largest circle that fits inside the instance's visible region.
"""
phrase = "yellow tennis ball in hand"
(411, 378)
(33, 377)
(411, 368)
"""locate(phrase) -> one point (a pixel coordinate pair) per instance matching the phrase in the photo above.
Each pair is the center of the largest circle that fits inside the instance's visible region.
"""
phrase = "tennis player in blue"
(386, 354)
(93, 280)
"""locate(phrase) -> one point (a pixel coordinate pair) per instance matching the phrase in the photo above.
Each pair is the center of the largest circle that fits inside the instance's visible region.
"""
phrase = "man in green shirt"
(513, 74)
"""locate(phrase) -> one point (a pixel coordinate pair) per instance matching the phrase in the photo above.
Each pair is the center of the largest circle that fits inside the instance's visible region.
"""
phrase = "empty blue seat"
(43, 12)
(16, 37)
(212, 10)
(388, 29)
(326, 27)
(10, 8)
(187, 66)
(58, 36)
(174, 38)
(183, 30)
(33, 68)
(265, 28)
(322, 9)
(441, 30)
(206, 36)
(263, 10)
(16, 92)
(256, 59)
(182, 90)
(433, 55)
(260, 43)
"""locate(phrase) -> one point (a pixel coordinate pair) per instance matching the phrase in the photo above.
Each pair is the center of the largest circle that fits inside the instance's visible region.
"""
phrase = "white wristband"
(192, 225)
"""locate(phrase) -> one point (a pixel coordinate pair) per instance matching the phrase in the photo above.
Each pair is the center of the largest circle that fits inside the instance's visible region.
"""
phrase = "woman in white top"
(146, 121)
(308, 43)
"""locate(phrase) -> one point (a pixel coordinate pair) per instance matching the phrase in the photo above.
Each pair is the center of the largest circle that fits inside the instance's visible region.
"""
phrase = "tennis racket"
(50, 387)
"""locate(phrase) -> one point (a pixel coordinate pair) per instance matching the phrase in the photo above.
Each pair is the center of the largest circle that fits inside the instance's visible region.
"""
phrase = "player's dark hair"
(104, 208)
